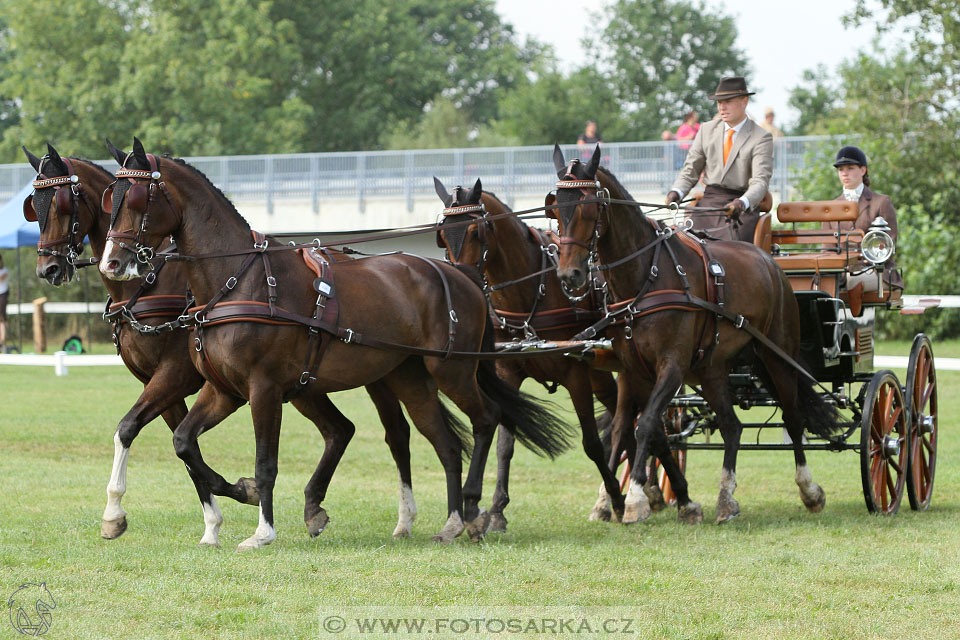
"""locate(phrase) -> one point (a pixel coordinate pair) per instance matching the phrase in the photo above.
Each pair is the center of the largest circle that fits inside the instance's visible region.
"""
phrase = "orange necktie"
(727, 144)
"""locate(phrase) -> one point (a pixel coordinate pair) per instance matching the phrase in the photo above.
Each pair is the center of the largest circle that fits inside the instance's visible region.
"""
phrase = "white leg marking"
(602, 510)
(212, 519)
(407, 511)
(637, 504)
(810, 492)
(728, 482)
(118, 481)
(263, 536)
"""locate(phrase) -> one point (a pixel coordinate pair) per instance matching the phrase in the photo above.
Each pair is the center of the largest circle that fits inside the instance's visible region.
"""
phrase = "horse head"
(143, 213)
(465, 243)
(578, 223)
(64, 206)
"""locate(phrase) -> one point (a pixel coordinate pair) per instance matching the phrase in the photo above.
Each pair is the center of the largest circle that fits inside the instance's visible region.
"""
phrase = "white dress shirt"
(853, 195)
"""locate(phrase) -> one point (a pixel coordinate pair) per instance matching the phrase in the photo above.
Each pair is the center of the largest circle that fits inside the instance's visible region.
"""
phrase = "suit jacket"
(748, 168)
(872, 205)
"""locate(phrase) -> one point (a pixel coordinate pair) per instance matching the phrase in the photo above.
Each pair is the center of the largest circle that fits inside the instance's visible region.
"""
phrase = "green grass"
(775, 572)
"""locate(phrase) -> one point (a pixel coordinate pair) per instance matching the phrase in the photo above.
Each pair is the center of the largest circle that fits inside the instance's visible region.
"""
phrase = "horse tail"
(458, 429)
(526, 417)
(819, 416)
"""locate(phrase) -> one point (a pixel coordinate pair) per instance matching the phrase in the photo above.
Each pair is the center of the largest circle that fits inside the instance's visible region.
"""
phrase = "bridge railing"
(507, 171)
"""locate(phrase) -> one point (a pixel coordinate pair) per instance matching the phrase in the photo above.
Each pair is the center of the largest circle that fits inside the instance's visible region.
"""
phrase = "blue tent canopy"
(14, 230)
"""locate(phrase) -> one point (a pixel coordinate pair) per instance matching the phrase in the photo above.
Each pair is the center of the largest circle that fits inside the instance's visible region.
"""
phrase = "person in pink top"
(688, 130)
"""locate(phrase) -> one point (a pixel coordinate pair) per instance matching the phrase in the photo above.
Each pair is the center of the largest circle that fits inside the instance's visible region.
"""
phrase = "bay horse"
(659, 279)
(507, 251)
(69, 210)
(415, 311)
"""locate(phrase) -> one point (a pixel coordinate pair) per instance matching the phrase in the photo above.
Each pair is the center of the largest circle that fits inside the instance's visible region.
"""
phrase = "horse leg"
(418, 394)
(621, 439)
(337, 432)
(501, 496)
(581, 394)
(652, 439)
(397, 435)
(160, 394)
(506, 443)
(210, 408)
(786, 382)
(717, 394)
(266, 404)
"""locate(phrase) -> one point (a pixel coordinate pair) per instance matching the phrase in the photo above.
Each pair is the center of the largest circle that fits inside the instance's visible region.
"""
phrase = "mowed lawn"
(775, 572)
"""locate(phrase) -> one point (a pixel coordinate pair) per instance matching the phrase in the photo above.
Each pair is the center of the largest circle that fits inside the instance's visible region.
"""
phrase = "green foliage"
(815, 98)
(666, 57)
(444, 126)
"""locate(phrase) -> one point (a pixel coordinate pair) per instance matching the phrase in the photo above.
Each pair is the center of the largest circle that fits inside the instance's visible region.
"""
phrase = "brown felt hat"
(732, 87)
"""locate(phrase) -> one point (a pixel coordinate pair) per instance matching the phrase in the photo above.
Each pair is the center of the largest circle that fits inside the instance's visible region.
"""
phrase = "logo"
(30, 608)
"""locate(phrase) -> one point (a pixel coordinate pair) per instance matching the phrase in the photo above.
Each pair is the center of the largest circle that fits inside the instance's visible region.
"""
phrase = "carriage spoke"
(895, 465)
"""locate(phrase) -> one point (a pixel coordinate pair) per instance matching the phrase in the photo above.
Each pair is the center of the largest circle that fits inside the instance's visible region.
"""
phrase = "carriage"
(892, 425)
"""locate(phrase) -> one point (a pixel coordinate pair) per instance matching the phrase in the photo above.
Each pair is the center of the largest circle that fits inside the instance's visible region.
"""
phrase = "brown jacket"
(873, 205)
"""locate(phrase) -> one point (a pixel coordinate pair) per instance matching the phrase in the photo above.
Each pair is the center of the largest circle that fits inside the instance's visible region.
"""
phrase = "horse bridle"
(588, 189)
(476, 212)
(66, 199)
(139, 198)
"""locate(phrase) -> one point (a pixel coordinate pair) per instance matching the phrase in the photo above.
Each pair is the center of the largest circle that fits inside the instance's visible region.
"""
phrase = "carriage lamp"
(877, 246)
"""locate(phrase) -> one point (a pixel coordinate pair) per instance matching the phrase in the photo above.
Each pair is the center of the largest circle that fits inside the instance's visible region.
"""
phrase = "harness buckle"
(197, 345)
(150, 278)
(654, 271)
(739, 322)
(349, 337)
(542, 290)
(231, 283)
(681, 270)
(271, 281)
(262, 246)
(305, 378)
(453, 317)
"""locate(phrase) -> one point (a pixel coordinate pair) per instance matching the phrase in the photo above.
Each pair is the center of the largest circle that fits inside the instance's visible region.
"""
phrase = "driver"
(736, 156)
(851, 165)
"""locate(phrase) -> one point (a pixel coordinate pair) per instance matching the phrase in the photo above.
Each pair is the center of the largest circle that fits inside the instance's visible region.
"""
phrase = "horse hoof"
(113, 529)
(600, 514)
(478, 526)
(208, 544)
(317, 522)
(636, 512)
(453, 528)
(814, 503)
(402, 532)
(498, 523)
(690, 513)
(655, 496)
(727, 509)
(248, 487)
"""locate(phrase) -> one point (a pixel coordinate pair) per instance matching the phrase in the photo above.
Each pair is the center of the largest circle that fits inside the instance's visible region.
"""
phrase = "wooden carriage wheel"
(884, 444)
(673, 423)
(921, 398)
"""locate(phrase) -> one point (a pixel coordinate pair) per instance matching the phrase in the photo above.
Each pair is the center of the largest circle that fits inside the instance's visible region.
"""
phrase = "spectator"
(667, 135)
(688, 130)
(768, 125)
(589, 139)
(4, 292)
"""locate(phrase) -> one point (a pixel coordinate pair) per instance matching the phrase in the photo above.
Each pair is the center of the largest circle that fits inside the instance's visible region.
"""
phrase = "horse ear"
(117, 154)
(594, 163)
(558, 160)
(34, 160)
(55, 158)
(441, 191)
(477, 191)
(139, 153)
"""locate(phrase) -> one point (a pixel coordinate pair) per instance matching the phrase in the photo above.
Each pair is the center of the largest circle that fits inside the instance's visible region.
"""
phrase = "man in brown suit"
(851, 165)
(736, 158)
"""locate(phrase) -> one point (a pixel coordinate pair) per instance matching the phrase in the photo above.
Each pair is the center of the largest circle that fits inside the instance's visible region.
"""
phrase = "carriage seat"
(813, 259)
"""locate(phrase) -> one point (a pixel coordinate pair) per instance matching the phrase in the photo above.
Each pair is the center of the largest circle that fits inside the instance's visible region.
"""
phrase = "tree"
(666, 57)
(815, 98)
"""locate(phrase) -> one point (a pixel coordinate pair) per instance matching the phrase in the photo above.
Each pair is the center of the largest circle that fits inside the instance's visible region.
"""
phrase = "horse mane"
(219, 194)
(623, 191)
(93, 164)
(501, 202)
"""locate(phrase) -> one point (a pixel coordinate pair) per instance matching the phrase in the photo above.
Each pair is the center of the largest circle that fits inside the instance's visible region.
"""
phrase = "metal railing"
(507, 171)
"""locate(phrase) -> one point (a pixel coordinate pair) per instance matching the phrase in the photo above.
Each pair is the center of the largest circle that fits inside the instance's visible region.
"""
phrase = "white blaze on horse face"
(264, 535)
(118, 481)
(212, 519)
(407, 512)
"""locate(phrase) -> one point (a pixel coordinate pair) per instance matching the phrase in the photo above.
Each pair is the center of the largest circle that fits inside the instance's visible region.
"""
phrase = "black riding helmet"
(850, 155)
